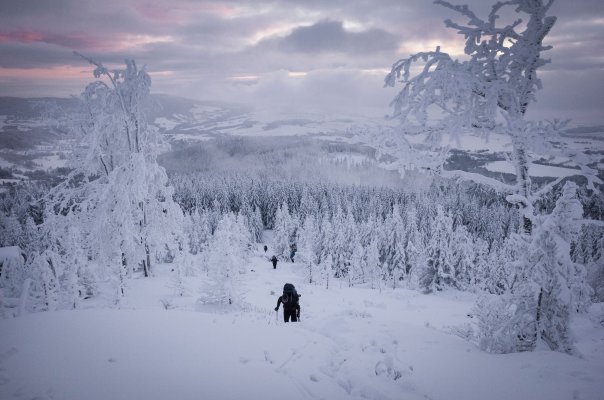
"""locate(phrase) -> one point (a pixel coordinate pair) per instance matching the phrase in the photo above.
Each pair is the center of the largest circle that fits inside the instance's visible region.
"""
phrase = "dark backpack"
(290, 295)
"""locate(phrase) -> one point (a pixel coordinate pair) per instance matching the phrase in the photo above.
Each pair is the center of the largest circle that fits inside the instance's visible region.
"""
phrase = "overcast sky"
(305, 53)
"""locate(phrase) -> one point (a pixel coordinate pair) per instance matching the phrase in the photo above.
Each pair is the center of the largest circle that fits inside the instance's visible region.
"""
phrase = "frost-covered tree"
(374, 267)
(326, 238)
(227, 256)
(284, 232)
(45, 290)
(309, 247)
(198, 230)
(31, 236)
(551, 287)
(561, 288)
(117, 195)
(493, 274)
(416, 260)
(11, 231)
(12, 276)
(595, 270)
(358, 263)
(308, 204)
(255, 224)
(463, 258)
(394, 242)
(439, 272)
(325, 268)
(341, 251)
(497, 81)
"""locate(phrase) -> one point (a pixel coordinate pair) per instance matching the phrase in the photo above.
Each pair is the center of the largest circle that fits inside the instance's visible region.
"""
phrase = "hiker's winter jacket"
(287, 303)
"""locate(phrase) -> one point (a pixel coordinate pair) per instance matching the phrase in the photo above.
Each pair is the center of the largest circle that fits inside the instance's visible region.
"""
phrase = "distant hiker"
(265, 248)
(291, 304)
(274, 261)
(292, 251)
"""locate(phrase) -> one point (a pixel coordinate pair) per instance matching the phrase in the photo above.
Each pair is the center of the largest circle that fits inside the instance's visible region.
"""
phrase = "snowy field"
(351, 344)
(536, 169)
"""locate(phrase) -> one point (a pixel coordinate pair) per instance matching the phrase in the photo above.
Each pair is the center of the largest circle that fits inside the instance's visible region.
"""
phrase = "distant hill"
(28, 147)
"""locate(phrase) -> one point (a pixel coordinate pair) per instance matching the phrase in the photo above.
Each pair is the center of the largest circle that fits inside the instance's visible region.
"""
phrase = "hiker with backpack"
(274, 261)
(291, 304)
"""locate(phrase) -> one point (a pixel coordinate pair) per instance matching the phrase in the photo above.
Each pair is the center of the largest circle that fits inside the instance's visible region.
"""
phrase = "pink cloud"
(72, 40)
(20, 36)
(60, 72)
(83, 41)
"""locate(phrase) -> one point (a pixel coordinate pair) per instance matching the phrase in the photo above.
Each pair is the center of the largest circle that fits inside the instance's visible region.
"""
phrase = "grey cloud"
(330, 36)
(570, 94)
(210, 47)
(33, 55)
(106, 20)
(34, 7)
(213, 30)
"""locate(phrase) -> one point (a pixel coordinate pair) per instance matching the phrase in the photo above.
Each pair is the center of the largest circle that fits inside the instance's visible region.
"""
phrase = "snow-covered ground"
(535, 169)
(52, 161)
(166, 123)
(351, 344)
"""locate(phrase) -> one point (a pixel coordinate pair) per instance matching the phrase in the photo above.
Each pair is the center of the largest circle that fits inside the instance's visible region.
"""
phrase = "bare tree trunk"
(148, 260)
(143, 226)
(523, 182)
(538, 314)
(122, 269)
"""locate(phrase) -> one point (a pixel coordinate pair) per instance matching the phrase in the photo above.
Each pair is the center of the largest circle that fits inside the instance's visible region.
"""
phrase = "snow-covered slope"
(352, 343)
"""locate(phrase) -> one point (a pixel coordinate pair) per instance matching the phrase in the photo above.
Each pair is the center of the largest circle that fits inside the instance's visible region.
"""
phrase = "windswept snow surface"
(351, 344)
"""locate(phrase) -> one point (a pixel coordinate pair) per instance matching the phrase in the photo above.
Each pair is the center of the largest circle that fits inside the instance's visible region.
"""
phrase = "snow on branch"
(499, 77)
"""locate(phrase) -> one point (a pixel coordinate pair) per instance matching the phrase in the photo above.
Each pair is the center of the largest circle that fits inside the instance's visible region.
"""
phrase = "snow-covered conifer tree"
(11, 231)
(394, 243)
(495, 273)
(358, 264)
(255, 224)
(462, 257)
(309, 247)
(560, 288)
(284, 232)
(31, 237)
(308, 204)
(415, 262)
(340, 244)
(46, 286)
(226, 259)
(325, 267)
(439, 271)
(198, 230)
(595, 270)
(326, 239)
(551, 287)
(374, 267)
(72, 265)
